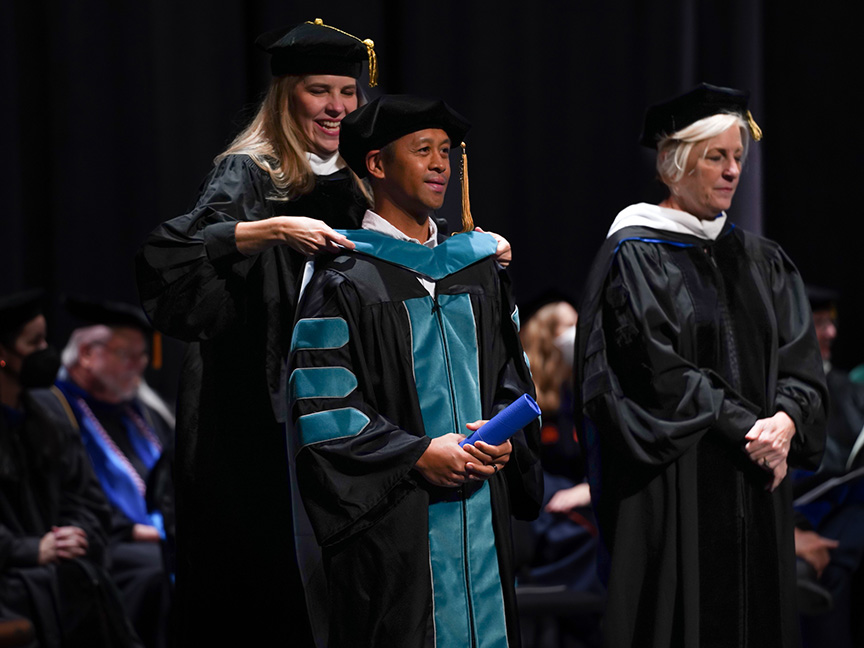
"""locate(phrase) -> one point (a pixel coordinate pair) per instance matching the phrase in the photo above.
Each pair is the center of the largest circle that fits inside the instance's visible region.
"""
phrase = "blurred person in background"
(829, 502)
(563, 539)
(124, 434)
(53, 515)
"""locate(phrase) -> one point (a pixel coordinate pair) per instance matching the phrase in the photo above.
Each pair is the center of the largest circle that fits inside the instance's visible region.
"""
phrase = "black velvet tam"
(822, 298)
(109, 313)
(314, 48)
(388, 118)
(664, 119)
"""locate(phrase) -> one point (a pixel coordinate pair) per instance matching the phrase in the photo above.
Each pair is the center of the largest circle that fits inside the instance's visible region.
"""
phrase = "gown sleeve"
(190, 274)
(523, 473)
(658, 402)
(18, 551)
(82, 501)
(350, 457)
(801, 389)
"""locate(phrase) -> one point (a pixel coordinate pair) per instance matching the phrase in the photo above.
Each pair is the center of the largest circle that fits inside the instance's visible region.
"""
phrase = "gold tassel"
(157, 351)
(370, 50)
(467, 220)
(755, 131)
(373, 62)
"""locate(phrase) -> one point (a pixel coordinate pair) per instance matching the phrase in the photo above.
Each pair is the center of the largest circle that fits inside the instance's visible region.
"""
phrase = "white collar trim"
(670, 220)
(325, 166)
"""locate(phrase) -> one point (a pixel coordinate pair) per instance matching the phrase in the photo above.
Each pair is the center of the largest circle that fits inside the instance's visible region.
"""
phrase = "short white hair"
(673, 150)
(98, 333)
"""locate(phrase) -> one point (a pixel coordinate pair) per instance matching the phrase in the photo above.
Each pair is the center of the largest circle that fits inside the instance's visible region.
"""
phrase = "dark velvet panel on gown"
(683, 344)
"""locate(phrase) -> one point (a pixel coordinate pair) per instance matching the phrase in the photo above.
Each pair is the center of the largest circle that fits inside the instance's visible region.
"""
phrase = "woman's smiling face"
(320, 102)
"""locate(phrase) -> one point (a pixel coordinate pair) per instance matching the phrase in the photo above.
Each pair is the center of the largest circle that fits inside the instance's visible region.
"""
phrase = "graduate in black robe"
(53, 515)
(701, 382)
(101, 385)
(397, 347)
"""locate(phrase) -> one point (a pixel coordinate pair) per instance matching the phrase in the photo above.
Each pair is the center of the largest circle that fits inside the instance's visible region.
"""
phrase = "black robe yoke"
(235, 549)
(683, 343)
(379, 366)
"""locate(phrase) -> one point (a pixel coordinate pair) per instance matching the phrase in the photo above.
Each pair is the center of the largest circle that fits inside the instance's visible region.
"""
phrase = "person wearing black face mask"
(27, 361)
(53, 515)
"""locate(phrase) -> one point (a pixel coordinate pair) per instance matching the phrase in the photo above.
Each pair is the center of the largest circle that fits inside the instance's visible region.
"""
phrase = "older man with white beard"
(101, 379)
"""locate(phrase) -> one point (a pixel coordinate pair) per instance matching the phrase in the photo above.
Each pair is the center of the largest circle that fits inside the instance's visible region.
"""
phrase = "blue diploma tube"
(505, 423)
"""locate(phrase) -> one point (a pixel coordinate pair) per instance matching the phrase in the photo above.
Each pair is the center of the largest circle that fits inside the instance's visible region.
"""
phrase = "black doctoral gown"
(45, 481)
(237, 576)
(379, 367)
(683, 343)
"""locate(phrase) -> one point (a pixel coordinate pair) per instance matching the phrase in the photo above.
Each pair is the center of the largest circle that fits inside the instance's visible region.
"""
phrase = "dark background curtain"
(112, 111)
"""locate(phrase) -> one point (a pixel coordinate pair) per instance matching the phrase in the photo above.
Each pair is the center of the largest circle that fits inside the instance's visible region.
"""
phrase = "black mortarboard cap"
(664, 119)
(109, 313)
(822, 298)
(316, 48)
(19, 308)
(388, 118)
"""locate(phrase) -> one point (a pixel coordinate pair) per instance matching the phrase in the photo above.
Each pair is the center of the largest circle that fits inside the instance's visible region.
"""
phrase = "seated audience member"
(53, 515)
(401, 348)
(564, 536)
(545, 334)
(565, 530)
(101, 379)
(829, 533)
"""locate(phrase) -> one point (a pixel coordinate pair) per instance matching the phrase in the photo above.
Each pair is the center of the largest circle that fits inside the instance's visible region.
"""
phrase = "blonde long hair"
(277, 145)
(549, 368)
